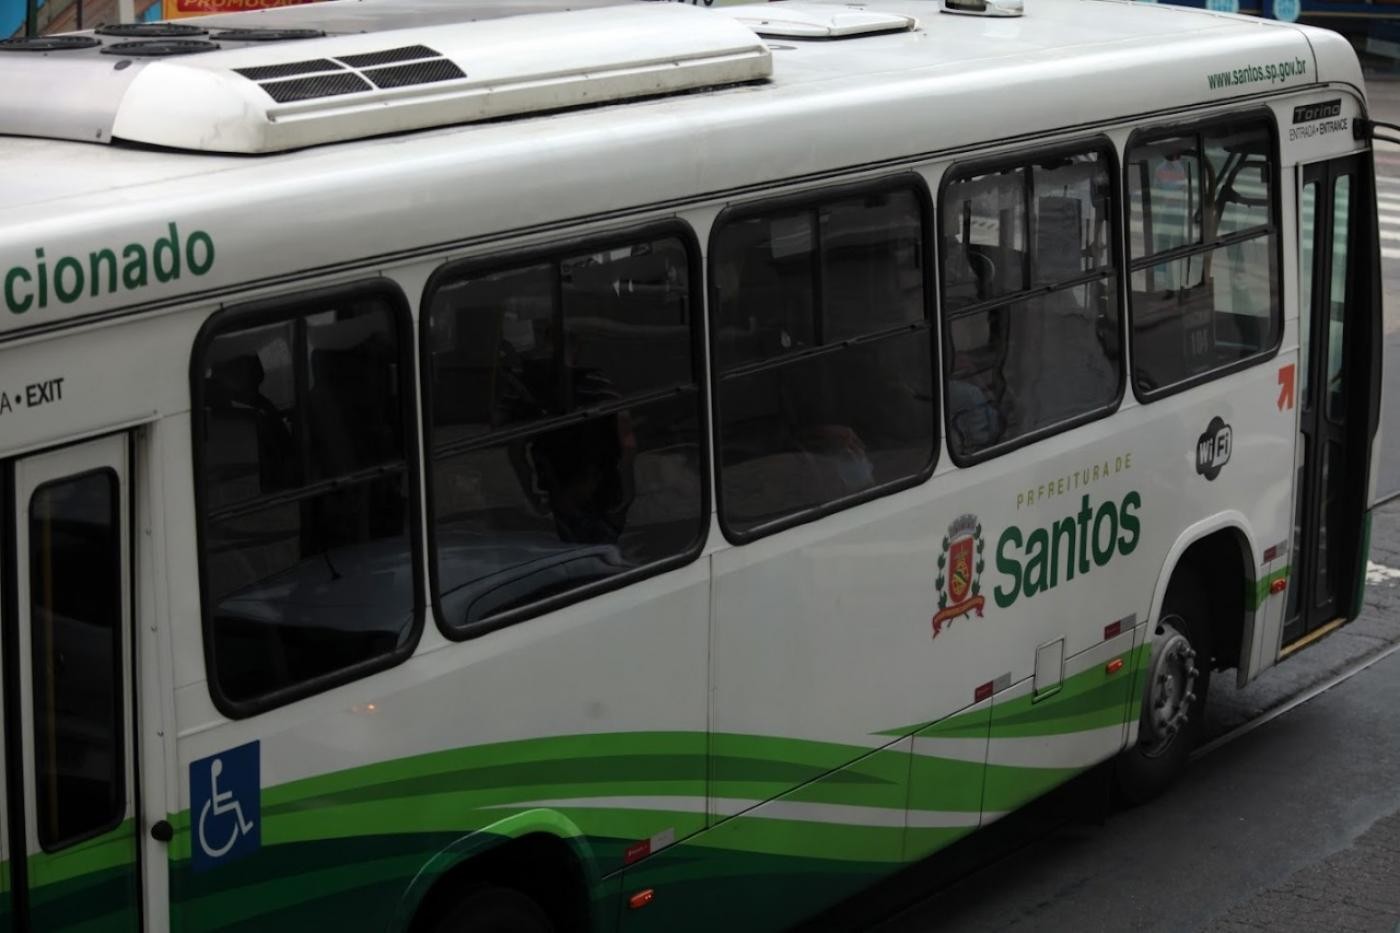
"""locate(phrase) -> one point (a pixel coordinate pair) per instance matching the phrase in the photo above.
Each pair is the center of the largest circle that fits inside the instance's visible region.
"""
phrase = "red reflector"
(1112, 629)
(641, 898)
(982, 692)
(1114, 666)
(634, 852)
(1270, 553)
(1278, 586)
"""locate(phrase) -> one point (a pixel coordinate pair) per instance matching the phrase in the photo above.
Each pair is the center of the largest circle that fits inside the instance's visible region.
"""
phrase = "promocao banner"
(174, 9)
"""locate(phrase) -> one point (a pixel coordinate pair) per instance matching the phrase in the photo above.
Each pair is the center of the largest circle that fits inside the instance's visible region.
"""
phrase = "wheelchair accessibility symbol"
(225, 796)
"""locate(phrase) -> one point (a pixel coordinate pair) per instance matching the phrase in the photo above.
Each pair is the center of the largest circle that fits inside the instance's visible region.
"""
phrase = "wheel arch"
(502, 852)
(1224, 550)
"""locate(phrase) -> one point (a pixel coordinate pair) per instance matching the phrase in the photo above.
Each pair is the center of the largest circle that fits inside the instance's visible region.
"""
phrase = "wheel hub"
(1171, 690)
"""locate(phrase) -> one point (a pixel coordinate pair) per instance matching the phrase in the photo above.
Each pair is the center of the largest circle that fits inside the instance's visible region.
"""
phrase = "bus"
(621, 466)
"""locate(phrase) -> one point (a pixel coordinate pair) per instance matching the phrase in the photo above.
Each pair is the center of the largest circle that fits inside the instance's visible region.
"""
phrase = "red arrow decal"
(1285, 390)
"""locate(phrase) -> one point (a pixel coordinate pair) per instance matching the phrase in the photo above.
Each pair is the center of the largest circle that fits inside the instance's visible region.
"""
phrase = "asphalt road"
(1290, 818)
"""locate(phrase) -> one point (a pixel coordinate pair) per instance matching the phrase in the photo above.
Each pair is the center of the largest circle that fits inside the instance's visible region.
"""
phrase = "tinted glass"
(1048, 351)
(494, 358)
(1164, 195)
(1238, 182)
(607, 477)
(1031, 364)
(76, 633)
(984, 238)
(303, 589)
(300, 401)
(626, 322)
(799, 432)
(523, 520)
(872, 275)
(1307, 234)
(251, 428)
(824, 428)
(762, 272)
(1337, 300)
(1208, 197)
(354, 411)
(1323, 591)
(1203, 312)
(317, 578)
(1071, 217)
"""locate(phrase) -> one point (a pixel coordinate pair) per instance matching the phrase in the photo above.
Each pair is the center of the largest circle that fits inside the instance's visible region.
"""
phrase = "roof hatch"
(250, 93)
(983, 7)
(797, 20)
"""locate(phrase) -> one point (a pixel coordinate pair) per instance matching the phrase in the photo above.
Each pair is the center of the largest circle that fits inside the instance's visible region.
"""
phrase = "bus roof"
(949, 84)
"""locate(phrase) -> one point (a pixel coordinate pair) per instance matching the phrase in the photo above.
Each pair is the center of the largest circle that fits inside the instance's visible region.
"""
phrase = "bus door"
(70, 813)
(1337, 307)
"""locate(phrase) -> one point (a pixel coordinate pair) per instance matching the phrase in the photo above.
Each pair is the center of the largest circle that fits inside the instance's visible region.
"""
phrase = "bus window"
(823, 364)
(564, 424)
(76, 594)
(1204, 260)
(300, 446)
(1029, 299)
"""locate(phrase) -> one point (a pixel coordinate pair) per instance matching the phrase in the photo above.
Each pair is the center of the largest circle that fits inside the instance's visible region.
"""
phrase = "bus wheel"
(1173, 696)
(493, 909)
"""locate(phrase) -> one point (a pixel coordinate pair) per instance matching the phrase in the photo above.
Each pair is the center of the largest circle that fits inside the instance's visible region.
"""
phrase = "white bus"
(648, 467)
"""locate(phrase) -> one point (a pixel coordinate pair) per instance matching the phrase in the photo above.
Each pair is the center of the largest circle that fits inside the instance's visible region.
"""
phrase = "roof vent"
(160, 48)
(266, 35)
(48, 44)
(797, 20)
(151, 30)
(983, 7)
(324, 77)
(405, 53)
(315, 87)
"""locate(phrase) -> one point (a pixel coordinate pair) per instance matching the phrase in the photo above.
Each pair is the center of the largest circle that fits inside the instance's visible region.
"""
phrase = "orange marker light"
(641, 899)
(1114, 666)
(1278, 586)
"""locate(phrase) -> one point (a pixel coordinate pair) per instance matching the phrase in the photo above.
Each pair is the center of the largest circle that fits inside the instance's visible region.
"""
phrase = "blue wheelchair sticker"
(225, 798)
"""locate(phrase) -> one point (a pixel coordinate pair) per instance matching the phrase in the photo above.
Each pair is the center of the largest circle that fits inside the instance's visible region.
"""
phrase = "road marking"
(1379, 573)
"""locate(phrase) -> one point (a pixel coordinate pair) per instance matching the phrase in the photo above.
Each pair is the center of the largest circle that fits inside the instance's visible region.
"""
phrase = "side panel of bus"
(585, 726)
(84, 744)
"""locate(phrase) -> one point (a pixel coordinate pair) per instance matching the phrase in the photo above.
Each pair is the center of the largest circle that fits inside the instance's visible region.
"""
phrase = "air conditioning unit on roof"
(214, 90)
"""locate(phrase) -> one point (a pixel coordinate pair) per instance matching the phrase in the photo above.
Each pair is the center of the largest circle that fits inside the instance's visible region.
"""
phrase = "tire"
(1173, 693)
(494, 909)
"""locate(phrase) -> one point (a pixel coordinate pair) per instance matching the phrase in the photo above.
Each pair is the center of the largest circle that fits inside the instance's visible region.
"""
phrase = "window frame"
(960, 170)
(813, 199)
(276, 310)
(123, 667)
(1158, 131)
(555, 251)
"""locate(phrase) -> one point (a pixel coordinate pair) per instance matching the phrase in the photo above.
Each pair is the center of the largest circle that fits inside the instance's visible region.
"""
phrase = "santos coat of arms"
(959, 566)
